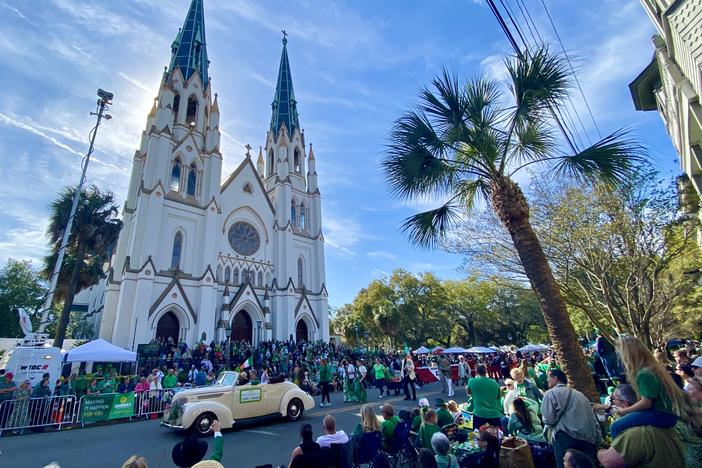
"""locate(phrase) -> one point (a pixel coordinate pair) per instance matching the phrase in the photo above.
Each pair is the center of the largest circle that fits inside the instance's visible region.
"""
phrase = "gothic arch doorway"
(168, 325)
(242, 327)
(301, 331)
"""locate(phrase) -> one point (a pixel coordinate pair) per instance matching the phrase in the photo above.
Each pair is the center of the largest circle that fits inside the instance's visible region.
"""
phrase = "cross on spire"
(248, 150)
(285, 36)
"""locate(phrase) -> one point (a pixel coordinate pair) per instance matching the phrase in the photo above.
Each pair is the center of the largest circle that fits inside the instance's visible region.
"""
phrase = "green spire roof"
(284, 104)
(189, 51)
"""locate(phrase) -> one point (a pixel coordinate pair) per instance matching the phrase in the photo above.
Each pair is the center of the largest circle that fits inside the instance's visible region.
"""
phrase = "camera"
(105, 95)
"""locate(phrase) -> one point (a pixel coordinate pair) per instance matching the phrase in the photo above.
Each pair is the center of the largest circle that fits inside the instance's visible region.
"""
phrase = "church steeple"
(284, 104)
(189, 49)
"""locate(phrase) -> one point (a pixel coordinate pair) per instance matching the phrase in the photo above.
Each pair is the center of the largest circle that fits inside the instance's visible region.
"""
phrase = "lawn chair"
(450, 430)
(400, 450)
(369, 446)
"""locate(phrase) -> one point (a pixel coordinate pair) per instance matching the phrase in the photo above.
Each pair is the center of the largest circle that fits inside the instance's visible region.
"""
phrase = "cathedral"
(201, 258)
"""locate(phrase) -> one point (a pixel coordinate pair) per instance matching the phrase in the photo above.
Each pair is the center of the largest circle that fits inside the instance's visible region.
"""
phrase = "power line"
(520, 55)
(514, 23)
(577, 81)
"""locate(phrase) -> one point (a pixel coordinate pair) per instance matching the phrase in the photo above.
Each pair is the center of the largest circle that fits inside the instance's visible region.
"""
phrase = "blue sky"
(356, 66)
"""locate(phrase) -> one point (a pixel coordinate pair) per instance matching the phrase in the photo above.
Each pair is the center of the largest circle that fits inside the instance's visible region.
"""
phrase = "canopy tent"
(437, 350)
(480, 350)
(544, 347)
(422, 350)
(455, 350)
(530, 348)
(99, 351)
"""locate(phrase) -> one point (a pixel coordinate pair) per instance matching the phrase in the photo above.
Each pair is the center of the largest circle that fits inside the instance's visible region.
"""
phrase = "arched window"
(293, 212)
(303, 216)
(248, 188)
(191, 116)
(176, 171)
(218, 276)
(227, 275)
(300, 278)
(176, 108)
(297, 164)
(260, 279)
(192, 180)
(270, 163)
(268, 279)
(177, 250)
(236, 276)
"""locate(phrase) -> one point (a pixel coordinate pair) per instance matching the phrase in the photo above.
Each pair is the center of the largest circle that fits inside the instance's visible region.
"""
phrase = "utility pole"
(103, 103)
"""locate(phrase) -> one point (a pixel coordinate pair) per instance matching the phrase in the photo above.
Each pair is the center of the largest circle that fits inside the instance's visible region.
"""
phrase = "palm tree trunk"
(68, 302)
(511, 207)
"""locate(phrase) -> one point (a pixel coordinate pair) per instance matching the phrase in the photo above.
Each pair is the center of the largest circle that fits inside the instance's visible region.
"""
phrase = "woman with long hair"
(369, 421)
(661, 401)
(524, 422)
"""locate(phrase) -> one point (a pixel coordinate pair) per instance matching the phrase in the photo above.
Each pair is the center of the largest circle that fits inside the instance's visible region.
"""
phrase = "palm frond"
(426, 229)
(482, 102)
(470, 191)
(612, 160)
(539, 81)
(414, 165)
(447, 107)
(534, 140)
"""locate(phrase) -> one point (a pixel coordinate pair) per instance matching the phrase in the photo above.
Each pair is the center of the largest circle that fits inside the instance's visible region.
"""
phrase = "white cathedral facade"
(198, 257)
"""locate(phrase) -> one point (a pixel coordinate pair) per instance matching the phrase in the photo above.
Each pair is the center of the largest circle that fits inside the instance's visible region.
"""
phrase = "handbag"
(515, 453)
(549, 433)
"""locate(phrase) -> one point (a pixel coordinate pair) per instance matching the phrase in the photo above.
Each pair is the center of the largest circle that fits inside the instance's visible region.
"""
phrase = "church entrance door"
(242, 327)
(301, 333)
(168, 325)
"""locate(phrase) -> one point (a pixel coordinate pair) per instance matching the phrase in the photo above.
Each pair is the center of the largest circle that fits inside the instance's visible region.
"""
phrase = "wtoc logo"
(35, 367)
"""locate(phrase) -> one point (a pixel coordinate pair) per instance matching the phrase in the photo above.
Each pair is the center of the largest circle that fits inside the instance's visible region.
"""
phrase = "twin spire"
(189, 53)
(189, 49)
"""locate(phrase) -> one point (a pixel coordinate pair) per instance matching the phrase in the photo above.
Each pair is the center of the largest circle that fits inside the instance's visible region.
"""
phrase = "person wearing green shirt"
(427, 429)
(170, 380)
(325, 378)
(443, 415)
(379, 376)
(486, 399)
(390, 422)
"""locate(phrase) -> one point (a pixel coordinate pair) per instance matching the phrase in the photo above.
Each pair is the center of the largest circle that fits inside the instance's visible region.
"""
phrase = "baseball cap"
(697, 362)
(9, 375)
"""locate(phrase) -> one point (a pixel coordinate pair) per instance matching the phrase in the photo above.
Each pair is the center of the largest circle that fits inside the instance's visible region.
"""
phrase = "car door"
(249, 401)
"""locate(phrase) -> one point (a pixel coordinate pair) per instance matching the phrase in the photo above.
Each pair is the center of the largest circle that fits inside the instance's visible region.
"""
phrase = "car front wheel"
(202, 424)
(295, 409)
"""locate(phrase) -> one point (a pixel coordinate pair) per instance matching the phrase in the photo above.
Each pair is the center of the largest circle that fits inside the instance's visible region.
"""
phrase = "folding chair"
(400, 450)
(450, 430)
(368, 448)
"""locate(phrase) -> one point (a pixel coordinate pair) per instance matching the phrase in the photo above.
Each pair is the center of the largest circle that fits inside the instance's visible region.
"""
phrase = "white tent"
(422, 350)
(437, 350)
(99, 351)
(480, 350)
(530, 348)
(455, 350)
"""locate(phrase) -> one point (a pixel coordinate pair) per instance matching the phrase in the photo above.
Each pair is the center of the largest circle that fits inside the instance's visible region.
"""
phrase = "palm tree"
(95, 231)
(467, 142)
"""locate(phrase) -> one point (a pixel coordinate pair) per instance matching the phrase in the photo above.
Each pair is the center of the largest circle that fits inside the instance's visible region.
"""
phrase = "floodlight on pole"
(103, 103)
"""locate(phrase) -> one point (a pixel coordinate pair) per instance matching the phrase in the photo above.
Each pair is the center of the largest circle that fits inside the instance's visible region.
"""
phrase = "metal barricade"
(152, 402)
(35, 413)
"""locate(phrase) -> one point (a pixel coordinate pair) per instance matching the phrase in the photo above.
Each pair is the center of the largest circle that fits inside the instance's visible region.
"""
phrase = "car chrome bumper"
(171, 426)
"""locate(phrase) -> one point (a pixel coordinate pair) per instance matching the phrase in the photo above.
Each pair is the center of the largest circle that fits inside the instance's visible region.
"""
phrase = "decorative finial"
(285, 37)
(215, 96)
(248, 150)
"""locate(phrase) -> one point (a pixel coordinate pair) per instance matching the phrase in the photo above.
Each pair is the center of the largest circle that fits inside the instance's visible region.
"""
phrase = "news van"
(31, 359)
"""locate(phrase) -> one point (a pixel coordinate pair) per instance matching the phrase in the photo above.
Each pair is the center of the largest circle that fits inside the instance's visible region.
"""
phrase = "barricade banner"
(108, 406)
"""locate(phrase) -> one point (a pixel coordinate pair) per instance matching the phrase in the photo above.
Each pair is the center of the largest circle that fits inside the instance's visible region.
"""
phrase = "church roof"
(189, 50)
(284, 103)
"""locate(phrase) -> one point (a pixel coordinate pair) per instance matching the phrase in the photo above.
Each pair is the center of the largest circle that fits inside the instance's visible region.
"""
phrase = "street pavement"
(246, 446)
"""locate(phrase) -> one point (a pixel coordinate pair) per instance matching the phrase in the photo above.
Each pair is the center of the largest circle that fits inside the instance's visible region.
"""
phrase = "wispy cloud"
(136, 83)
(341, 234)
(13, 122)
(16, 11)
(383, 254)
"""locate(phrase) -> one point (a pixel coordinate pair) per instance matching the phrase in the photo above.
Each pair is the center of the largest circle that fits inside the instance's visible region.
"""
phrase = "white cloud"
(383, 254)
(136, 82)
(341, 234)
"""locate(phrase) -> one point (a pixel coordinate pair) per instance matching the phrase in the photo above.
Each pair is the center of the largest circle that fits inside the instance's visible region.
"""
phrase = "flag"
(248, 363)
(25, 322)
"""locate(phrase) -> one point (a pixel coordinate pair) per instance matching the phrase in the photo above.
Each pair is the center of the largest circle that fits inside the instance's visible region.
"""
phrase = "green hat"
(439, 402)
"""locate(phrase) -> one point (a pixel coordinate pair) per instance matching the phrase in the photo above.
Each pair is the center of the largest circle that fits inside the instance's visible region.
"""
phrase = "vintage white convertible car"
(228, 403)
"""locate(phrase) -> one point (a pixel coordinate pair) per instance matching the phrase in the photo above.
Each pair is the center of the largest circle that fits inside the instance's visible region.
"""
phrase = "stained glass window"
(192, 180)
(177, 248)
(244, 238)
(175, 175)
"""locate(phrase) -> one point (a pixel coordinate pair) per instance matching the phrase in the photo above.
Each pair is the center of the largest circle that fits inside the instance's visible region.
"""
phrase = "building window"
(260, 279)
(227, 275)
(293, 212)
(248, 188)
(303, 216)
(270, 163)
(176, 171)
(177, 251)
(191, 116)
(300, 278)
(236, 276)
(176, 108)
(297, 162)
(268, 280)
(192, 180)
(218, 275)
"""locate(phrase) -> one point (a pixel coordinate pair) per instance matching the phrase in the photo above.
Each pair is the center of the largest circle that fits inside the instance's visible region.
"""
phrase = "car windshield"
(227, 379)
